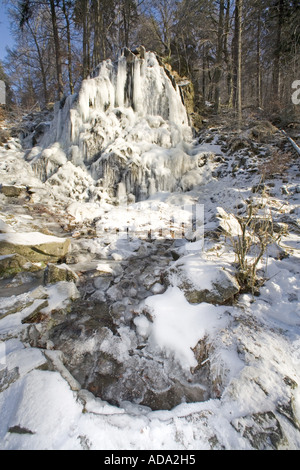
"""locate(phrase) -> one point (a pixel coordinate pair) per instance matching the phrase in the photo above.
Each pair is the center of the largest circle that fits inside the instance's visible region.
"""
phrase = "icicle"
(121, 80)
(126, 126)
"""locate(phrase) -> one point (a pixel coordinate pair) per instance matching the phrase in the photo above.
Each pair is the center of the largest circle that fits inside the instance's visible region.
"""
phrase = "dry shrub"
(262, 131)
(250, 245)
(276, 164)
(2, 114)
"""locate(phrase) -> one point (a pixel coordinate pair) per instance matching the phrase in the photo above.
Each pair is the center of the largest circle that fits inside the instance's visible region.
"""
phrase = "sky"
(6, 38)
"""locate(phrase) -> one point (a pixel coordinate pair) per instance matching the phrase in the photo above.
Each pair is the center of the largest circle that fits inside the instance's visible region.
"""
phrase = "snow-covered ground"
(249, 348)
(256, 353)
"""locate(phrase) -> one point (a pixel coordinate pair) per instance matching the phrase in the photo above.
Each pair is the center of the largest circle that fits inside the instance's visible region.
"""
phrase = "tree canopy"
(235, 52)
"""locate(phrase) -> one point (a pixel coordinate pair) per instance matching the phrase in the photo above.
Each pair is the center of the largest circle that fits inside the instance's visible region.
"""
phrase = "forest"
(238, 54)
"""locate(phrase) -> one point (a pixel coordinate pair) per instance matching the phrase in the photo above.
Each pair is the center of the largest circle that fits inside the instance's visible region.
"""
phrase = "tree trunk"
(228, 58)
(71, 85)
(258, 55)
(203, 73)
(239, 6)
(85, 39)
(218, 69)
(277, 53)
(60, 85)
(43, 73)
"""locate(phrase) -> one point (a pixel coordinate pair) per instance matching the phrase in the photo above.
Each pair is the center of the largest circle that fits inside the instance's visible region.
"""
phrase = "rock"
(14, 304)
(11, 190)
(39, 293)
(262, 131)
(276, 251)
(288, 409)
(224, 288)
(7, 377)
(239, 142)
(158, 288)
(14, 264)
(36, 316)
(227, 223)
(263, 430)
(168, 399)
(59, 273)
(204, 281)
(19, 430)
(34, 246)
(4, 136)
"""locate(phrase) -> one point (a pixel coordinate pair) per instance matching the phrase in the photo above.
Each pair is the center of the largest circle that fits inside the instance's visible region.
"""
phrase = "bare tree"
(66, 6)
(219, 54)
(238, 58)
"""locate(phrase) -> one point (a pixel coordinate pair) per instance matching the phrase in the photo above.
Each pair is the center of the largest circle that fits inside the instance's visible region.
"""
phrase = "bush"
(255, 235)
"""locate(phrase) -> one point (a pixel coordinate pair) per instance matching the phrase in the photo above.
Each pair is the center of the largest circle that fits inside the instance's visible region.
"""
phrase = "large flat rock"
(34, 246)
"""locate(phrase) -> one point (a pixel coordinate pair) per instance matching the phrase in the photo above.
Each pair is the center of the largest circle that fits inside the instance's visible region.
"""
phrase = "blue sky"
(6, 38)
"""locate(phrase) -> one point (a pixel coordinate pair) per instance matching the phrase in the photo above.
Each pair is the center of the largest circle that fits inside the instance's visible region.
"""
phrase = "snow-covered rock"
(34, 246)
(62, 272)
(204, 280)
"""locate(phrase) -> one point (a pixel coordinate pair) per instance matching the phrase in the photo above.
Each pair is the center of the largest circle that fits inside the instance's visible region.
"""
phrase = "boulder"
(14, 304)
(223, 289)
(54, 273)
(263, 131)
(35, 314)
(11, 190)
(203, 280)
(7, 377)
(227, 223)
(34, 246)
(13, 264)
(263, 430)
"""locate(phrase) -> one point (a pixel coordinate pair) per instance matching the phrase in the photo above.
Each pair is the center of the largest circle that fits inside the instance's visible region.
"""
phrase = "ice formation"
(127, 127)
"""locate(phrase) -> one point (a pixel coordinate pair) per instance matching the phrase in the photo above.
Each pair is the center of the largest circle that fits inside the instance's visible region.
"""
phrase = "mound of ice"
(127, 129)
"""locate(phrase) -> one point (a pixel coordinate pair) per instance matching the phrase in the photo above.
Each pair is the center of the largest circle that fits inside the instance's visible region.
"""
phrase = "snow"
(201, 271)
(29, 238)
(59, 295)
(178, 326)
(43, 403)
(5, 228)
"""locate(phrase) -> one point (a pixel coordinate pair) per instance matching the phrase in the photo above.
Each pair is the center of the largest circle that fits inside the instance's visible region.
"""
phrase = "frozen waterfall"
(127, 127)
